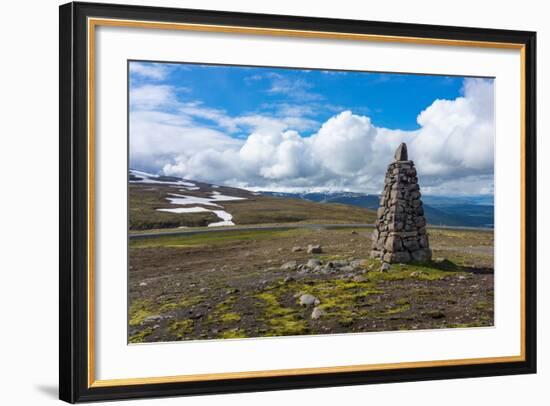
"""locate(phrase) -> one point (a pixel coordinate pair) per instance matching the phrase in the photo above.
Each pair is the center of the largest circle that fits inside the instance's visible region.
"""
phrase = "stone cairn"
(400, 233)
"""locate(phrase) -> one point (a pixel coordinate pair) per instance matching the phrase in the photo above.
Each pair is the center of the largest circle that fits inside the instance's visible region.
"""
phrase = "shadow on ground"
(451, 266)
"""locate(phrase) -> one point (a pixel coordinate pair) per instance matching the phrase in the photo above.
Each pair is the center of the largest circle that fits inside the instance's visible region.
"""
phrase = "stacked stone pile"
(400, 233)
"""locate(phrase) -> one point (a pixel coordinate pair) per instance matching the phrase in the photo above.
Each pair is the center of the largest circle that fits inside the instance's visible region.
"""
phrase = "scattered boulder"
(143, 284)
(317, 313)
(358, 263)
(152, 319)
(288, 279)
(385, 267)
(347, 268)
(314, 249)
(289, 266)
(308, 300)
(359, 278)
(156, 318)
(296, 249)
(313, 262)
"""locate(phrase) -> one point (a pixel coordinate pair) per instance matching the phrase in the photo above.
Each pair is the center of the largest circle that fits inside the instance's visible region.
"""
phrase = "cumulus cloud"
(453, 147)
(158, 137)
(152, 97)
(154, 71)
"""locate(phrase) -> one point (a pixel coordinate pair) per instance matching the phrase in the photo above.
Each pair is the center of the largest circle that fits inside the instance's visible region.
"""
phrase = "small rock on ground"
(314, 249)
(347, 268)
(358, 263)
(308, 300)
(317, 313)
(359, 278)
(289, 266)
(313, 262)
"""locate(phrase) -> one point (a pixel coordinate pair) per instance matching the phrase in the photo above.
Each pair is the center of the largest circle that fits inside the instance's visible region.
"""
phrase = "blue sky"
(391, 100)
(296, 129)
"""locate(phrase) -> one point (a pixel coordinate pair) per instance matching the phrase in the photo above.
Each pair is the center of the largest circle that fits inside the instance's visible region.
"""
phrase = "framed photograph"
(256, 202)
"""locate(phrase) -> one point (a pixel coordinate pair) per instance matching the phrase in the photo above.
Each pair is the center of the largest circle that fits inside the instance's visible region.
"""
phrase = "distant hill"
(169, 201)
(466, 211)
(157, 202)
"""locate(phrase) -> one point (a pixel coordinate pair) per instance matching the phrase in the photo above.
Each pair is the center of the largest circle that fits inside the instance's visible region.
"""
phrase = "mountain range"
(466, 211)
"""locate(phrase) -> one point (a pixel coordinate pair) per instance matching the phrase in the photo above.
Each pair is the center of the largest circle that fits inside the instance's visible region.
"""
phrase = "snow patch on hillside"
(183, 200)
(145, 177)
(180, 210)
(226, 219)
(224, 216)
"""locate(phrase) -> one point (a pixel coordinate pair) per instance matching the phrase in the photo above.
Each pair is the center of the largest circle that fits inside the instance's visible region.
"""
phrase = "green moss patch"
(424, 271)
(181, 304)
(230, 317)
(484, 306)
(279, 319)
(181, 328)
(466, 325)
(342, 300)
(139, 337)
(212, 238)
(139, 311)
(398, 309)
(234, 333)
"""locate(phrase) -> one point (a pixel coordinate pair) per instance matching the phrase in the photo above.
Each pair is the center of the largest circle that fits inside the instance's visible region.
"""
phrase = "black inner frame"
(73, 289)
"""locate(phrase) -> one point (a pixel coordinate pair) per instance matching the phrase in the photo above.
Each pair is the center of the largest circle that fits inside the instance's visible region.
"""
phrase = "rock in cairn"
(400, 233)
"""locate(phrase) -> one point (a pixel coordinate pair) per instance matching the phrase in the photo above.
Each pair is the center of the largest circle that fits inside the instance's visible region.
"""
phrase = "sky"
(298, 130)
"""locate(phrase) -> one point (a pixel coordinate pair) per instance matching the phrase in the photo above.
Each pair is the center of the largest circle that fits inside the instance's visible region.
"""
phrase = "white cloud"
(334, 72)
(344, 144)
(152, 97)
(148, 70)
(294, 88)
(452, 149)
(196, 109)
(157, 138)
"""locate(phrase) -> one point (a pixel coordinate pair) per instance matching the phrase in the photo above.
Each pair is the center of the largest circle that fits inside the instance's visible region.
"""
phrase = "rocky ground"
(268, 283)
